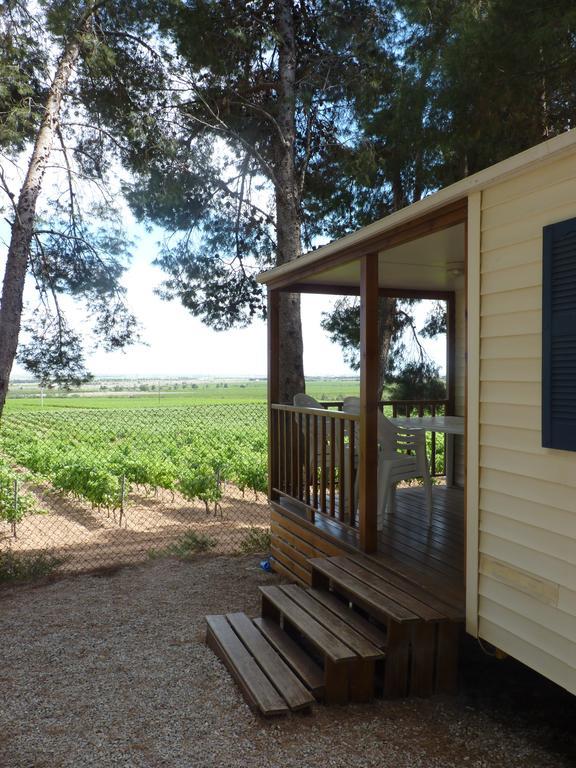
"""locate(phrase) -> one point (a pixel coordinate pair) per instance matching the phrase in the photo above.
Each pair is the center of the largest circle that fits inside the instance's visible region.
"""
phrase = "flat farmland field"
(173, 394)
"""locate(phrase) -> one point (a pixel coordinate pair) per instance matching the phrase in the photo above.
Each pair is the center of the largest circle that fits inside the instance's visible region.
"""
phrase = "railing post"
(451, 354)
(368, 453)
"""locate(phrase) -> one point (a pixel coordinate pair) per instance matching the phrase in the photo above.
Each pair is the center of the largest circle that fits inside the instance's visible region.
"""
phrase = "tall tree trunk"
(25, 211)
(387, 308)
(288, 204)
(544, 105)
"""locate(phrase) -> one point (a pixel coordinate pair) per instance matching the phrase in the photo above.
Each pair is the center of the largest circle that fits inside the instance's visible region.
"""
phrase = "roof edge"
(509, 167)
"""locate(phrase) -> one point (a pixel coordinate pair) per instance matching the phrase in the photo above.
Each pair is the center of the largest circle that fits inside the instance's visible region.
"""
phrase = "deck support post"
(451, 353)
(451, 385)
(369, 396)
(273, 388)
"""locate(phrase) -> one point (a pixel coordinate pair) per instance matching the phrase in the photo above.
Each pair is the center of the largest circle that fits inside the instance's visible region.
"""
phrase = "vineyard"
(99, 485)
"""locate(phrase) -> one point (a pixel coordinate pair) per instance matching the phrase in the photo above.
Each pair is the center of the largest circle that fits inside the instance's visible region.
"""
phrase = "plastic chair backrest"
(387, 432)
(302, 400)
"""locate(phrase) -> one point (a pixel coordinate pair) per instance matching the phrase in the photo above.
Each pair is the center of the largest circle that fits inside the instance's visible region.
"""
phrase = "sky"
(180, 344)
(177, 344)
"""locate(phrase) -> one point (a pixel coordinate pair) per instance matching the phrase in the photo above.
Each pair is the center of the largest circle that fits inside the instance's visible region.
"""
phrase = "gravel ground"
(112, 670)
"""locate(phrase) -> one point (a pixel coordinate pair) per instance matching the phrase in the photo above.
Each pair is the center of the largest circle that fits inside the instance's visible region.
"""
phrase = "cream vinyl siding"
(460, 388)
(527, 494)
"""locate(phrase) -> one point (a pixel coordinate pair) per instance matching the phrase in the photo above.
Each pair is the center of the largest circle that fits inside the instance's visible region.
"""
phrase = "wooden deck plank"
(415, 534)
(404, 595)
(274, 667)
(362, 594)
(447, 658)
(417, 571)
(453, 610)
(307, 534)
(350, 616)
(395, 684)
(362, 680)
(279, 567)
(302, 664)
(258, 690)
(337, 677)
(324, 640)
(356, 641)
(431, 559)
(442, 562)
(445, 527)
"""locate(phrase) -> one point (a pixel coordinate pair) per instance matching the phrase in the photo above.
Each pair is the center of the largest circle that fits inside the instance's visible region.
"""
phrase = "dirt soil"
(113, 671)
(85, 537)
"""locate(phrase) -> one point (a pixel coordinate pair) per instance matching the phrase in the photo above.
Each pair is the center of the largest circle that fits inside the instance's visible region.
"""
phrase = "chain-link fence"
(90, 488)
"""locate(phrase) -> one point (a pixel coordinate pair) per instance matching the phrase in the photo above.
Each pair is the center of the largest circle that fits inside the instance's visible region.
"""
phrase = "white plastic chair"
(394, 461)
(302, 400)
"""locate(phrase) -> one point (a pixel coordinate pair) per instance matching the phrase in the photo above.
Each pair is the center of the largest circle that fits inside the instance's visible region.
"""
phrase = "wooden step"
(421, 630)
(404, 595)
(350, 616)
(257, 689)
(278, 672)
(346, 675)
(353, 639)
(274, 600)
(451, 608)
(302, 664)
(373, 601)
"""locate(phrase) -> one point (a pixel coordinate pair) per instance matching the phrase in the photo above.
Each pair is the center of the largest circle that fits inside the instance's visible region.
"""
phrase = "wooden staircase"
(361, 630)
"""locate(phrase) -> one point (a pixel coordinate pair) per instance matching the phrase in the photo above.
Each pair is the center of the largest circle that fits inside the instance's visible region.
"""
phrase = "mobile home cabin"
(500, 248)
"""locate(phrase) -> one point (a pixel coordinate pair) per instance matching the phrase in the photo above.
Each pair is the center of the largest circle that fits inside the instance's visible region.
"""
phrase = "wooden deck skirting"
(295, 541)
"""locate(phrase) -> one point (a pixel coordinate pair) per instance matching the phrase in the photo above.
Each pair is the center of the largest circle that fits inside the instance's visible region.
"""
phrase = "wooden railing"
(311, 448)
(394, 408)
(310, 460)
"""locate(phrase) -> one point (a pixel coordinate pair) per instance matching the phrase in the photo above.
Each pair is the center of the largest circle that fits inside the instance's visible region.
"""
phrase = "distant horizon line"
(188, 376)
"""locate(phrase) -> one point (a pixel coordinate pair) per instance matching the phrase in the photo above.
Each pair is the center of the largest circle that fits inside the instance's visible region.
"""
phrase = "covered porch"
(325, 503)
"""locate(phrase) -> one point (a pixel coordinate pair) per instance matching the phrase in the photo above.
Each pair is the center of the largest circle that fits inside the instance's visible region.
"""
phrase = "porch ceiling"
(433, 262)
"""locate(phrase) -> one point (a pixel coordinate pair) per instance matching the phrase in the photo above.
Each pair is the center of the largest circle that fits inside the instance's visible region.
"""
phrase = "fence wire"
(92, 488)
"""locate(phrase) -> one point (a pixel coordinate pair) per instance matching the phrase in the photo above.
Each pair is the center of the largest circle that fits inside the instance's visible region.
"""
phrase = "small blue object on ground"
(266, 565)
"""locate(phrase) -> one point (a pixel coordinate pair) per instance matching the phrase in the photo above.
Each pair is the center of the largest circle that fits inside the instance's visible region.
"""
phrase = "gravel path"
(112, 671)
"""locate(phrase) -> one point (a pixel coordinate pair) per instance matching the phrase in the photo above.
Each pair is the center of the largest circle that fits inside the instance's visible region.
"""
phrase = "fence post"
(15, 517)
(122, 494)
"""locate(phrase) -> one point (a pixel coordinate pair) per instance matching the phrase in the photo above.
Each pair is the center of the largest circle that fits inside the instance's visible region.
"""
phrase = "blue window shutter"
(559, 336)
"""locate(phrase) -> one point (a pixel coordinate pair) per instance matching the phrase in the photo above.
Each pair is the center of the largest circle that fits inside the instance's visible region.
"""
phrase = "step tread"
(295, 656)
(449, 606)
(357, 642)
(318, 635)
(275, 668)
(350, 616)
(362, 593)
(258, 690)
(403, 595)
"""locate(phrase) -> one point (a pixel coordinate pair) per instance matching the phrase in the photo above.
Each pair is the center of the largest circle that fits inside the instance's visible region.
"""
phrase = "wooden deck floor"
(430, 556)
